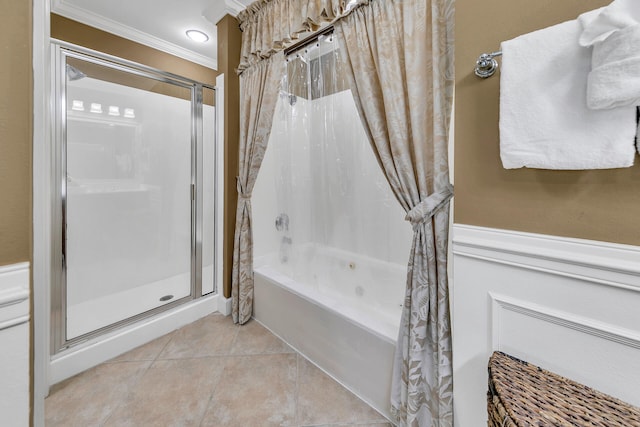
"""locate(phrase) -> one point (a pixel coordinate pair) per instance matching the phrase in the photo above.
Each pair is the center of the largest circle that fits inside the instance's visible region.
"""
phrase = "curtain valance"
(269, 26)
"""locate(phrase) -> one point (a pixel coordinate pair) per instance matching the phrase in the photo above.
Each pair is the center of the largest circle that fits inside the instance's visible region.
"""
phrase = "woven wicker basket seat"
(522, 395)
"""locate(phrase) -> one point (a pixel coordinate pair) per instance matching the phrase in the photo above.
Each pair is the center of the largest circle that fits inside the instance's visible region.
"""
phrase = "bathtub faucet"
(285, 249)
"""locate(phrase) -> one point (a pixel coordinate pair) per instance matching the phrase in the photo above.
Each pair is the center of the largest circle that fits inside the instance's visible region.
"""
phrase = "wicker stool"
(523, 395)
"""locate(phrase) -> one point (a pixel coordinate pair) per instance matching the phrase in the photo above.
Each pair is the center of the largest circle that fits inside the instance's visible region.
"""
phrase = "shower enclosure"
(330, 239)
(134, 186)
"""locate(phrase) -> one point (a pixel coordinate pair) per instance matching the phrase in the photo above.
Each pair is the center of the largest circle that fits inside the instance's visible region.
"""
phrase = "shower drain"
(166, 298)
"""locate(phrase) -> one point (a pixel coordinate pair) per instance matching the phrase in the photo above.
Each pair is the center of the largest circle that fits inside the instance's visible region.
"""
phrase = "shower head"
(74, 74)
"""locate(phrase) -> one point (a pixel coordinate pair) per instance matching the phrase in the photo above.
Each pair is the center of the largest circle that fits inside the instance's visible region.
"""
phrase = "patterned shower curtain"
(399, 54)
(259, 89)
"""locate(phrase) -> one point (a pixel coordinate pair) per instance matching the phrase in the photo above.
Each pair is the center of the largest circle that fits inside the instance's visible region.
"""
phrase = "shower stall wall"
(135, 195)
(330, 240)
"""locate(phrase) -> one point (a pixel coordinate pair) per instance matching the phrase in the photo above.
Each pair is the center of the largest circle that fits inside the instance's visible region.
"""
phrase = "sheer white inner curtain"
(399, 56)
(319, 175)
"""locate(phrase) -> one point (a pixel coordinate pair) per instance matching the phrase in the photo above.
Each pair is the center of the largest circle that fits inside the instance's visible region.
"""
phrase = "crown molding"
(234, 7)
(216, 12)
(98, 21)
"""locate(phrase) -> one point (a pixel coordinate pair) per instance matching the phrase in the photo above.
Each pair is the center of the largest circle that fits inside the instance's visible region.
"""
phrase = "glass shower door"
(127, 199)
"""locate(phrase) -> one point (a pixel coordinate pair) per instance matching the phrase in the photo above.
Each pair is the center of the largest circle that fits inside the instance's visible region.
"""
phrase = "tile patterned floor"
(210, 373)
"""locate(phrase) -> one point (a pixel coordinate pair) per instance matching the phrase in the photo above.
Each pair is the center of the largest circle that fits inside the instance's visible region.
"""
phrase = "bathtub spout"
(285, 249)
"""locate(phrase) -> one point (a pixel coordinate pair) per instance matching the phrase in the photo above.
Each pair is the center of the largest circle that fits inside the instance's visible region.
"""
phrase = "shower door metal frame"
(60, 52)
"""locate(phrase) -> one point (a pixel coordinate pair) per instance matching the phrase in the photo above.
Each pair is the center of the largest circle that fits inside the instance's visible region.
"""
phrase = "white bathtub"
(340, 310)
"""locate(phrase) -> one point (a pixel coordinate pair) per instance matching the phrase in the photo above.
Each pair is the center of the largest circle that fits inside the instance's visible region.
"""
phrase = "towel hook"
(486, 65)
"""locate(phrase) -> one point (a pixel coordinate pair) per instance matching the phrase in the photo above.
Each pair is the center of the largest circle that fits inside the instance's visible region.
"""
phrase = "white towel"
(614, 33)
(544, 119)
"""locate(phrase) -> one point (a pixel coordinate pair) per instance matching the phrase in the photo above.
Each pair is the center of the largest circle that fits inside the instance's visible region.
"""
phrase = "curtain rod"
(308, 40)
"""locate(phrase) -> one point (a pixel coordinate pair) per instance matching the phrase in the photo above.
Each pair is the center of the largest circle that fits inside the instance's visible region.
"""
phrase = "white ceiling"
(160, 24)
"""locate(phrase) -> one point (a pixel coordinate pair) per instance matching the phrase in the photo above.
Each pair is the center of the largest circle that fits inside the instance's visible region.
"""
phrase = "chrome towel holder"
(486, 65)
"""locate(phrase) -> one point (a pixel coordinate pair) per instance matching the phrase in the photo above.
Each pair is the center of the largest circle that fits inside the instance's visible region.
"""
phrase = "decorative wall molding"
(14, 295)
(233, 7)
(568, 305)
(603, 263)
(561, 318)
(14, 344)
(219, 9)
(98, 21)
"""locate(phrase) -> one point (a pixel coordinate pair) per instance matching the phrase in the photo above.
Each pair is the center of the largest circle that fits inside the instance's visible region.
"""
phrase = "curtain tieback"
(242, 195)
(424, 210)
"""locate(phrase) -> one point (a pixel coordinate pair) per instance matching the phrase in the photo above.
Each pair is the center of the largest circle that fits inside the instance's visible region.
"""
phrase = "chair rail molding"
(604, 263)
(14, 344)
(567, 305)
(14, 295)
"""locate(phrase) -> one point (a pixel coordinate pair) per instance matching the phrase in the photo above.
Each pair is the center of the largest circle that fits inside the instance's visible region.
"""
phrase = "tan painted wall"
(83, 35)
(15, 131)
(229, 40)
(598, 205)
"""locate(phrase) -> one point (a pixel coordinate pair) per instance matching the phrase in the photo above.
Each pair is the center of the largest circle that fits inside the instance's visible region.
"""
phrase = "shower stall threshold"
(97, 350)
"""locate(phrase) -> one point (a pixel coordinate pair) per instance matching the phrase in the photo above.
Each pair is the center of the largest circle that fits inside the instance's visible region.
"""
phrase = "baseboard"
(103, 348)
(224, 305)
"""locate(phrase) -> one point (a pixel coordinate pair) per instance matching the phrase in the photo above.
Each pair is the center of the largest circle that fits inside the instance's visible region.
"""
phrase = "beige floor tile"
(354, 425)
(209, 336)
(351, 425)
(90, 397)
(321, 400)
(170, 393)
(264, 383)
(254, 391)
(147, 351)
(253, 338)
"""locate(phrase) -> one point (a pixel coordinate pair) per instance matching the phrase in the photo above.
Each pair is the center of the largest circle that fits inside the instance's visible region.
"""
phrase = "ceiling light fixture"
(197, 36)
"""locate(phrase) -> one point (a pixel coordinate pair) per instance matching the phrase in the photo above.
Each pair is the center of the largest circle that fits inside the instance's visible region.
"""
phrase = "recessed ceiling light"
(197, 36)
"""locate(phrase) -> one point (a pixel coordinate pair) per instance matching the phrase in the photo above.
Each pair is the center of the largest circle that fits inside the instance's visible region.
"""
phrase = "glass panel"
(128, 197)
(208, 193)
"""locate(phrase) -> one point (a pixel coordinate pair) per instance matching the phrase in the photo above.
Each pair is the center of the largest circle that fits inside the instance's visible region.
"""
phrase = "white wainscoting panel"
(571, 306)
(14, 344)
